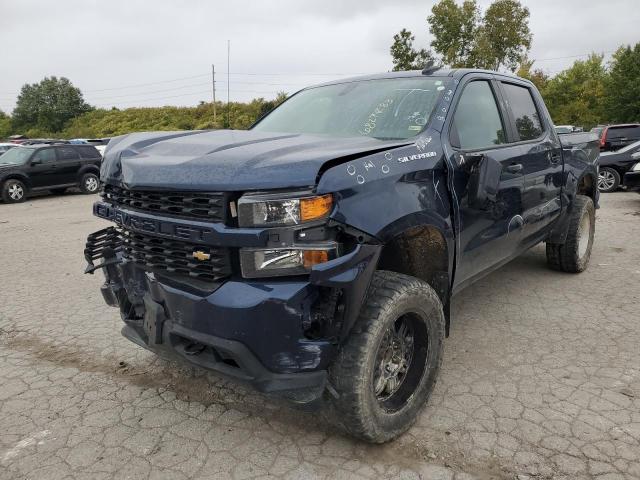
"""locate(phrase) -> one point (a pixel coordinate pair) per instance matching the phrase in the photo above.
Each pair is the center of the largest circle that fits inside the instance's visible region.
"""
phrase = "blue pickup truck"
(315, 255)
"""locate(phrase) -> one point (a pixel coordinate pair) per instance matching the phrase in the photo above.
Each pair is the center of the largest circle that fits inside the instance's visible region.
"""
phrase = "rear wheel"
(14, 191)
(608, 180)
(387, 368)
(573, 255)
(89, 183)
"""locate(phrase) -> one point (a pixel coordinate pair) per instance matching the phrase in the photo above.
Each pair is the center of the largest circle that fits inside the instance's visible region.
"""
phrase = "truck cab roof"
(456, 73)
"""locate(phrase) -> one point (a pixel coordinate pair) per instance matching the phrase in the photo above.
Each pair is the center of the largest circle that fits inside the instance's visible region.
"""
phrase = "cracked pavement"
(541, 376)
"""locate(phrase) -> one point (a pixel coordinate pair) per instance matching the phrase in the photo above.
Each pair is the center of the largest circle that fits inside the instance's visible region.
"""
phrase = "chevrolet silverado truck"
(315, 255)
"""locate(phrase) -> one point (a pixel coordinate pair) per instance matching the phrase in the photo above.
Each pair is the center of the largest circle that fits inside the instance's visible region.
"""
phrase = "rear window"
(524, 111)
(623, 132)
(89, 152)
(68, 153)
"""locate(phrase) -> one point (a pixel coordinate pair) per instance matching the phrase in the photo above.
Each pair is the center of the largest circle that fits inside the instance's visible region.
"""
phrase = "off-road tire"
(611, 175)
(357, 409)
(58, 191)
(571, 256)
(8, 191)
(90, 183)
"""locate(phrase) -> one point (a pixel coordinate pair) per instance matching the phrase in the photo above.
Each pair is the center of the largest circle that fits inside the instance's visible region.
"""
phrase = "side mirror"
(484, 181)
(36, 161)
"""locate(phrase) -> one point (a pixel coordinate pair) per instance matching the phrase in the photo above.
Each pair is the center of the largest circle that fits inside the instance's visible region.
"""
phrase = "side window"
(524, 111)
(67, 153)
(88, 152)
(476, 122)
(46, 155)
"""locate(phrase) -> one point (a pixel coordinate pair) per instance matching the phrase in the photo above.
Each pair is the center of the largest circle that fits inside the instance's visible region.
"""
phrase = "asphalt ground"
(541, 376)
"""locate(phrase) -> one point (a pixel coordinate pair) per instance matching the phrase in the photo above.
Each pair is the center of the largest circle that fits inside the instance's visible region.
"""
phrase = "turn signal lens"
(313, 208)
(313, 257)
(258, 262)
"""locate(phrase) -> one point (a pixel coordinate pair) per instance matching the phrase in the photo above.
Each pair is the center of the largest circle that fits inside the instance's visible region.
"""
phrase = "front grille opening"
(175, 258)
(231, 362)
(203, 206)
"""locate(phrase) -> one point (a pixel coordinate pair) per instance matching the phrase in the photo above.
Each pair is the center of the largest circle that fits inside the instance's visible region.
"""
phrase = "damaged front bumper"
(279, 335)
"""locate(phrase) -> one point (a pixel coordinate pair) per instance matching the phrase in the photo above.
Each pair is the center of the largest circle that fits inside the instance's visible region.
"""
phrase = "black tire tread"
(564, 256)
(346, 370)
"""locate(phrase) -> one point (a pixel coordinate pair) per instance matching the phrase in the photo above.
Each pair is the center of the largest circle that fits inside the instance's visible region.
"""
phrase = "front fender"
(383, 193)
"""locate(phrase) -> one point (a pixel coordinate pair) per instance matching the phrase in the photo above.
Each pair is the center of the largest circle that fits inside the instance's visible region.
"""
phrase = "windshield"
(17, 156)
(395, 108)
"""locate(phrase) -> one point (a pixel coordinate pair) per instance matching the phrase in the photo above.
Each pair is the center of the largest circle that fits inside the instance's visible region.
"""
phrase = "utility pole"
(228, 107)
(213, 86)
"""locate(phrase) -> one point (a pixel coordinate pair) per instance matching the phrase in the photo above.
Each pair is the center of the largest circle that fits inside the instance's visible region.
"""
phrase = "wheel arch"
(16, 176)
(421, 251)
(88, 169)
(588, 186)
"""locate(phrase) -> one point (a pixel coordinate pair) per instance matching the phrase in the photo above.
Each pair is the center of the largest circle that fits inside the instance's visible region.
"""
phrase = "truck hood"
(229, 159)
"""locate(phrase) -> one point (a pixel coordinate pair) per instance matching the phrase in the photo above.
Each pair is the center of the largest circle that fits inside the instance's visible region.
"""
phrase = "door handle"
(514, 168)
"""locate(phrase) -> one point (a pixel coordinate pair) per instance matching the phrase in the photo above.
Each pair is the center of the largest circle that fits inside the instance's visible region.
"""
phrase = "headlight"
(283, 261)
(278, 210)
(636, 167)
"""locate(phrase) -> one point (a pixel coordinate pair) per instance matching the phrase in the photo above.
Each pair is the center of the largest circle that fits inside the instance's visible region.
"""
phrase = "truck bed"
(583, 146)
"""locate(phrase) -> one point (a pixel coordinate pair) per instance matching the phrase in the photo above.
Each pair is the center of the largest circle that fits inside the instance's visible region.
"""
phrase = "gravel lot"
(541, 376)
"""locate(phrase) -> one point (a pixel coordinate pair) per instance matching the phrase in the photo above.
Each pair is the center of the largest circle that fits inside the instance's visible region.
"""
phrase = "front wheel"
(387, 368)
(14, 191)
(573, 255)
(608, 180)
(89, 183)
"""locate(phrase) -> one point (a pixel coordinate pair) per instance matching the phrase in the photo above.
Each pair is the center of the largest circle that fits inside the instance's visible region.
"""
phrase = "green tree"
(5, 125)
(465, 38)
(404, 56)
(504, 37)
(576, 95)
(622, 88)
(48, 105)
(455, 29)
(536, 76)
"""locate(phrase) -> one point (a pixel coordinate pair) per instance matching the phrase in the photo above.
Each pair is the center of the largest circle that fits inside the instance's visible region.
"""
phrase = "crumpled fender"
(352, 274)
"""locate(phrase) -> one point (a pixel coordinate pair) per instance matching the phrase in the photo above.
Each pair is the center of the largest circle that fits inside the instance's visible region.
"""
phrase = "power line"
(571, 56)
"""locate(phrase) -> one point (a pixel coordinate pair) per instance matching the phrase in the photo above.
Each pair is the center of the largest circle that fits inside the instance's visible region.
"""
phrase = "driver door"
(489, 234)
(43, 168)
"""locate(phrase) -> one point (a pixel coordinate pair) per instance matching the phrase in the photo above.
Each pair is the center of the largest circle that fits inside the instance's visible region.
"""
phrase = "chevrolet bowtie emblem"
(200, 255)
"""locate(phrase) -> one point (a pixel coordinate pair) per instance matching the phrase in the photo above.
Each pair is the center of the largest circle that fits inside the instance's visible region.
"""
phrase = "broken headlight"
(258, 262)
(279, 210)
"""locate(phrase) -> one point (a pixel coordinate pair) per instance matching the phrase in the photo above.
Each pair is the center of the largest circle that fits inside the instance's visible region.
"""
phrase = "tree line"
(54, 108)
(588, 93)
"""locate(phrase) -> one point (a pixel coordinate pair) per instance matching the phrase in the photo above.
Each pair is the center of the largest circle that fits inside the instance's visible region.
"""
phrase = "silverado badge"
(200, 255)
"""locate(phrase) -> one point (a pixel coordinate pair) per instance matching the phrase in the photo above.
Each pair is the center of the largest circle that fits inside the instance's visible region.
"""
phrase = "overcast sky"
(144, 53)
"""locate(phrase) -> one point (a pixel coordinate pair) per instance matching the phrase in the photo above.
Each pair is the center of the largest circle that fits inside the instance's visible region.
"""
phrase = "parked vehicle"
(614, 137)
(99, 143)
(4, 147)
(632, 178)
(315, 255)
(563, 129)
(614, 166)
(48, 167)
